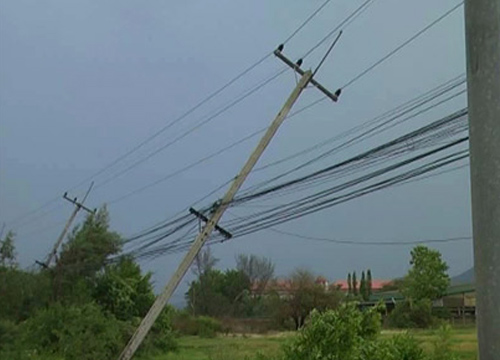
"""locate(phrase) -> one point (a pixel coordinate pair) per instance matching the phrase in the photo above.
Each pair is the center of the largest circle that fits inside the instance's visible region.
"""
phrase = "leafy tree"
(354, 284)
(8, 251)
(349, 284)
(427, 278)
(305, 295)
(369, 283)
(74, 332)
(218, 293)
(415, 314)
(341, 334)
(84, 255)
(23, 293)
(362, 286)
(259, 270)
(122, 290)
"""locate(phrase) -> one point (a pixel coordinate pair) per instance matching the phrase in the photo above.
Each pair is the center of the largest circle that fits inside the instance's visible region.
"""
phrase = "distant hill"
(466, 277)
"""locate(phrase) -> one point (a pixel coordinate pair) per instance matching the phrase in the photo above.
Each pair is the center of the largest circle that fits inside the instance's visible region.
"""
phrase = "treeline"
(251, 291)
(86, 306)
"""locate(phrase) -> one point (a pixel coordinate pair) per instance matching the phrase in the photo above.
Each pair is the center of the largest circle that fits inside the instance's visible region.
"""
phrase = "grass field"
(239, 347)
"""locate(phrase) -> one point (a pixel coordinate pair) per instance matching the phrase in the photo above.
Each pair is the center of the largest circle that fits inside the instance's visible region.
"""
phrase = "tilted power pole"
(60, 239)
(211, 224)
(482, 28)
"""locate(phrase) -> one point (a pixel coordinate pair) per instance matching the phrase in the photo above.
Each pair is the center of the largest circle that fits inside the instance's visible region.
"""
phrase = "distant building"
(377, 284)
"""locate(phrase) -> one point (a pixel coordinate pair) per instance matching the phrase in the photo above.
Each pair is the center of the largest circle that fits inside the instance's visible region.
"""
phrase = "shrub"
(332, 335)
(203, 326)
(371, 323)
(442, 345)
(405, 347)
(74, 332)
(348, 334)
(161, 338)
(207, 326)
(417, 314)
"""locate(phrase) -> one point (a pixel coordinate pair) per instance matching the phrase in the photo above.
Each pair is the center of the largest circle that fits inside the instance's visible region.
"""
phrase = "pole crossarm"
(211, 223)
(296, 66)
(77, 208)
(223, 231)
(78, 205)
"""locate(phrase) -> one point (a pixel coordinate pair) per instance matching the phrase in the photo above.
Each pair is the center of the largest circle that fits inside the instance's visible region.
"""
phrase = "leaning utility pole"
(211, 223)
(60, 239)
(482, 28)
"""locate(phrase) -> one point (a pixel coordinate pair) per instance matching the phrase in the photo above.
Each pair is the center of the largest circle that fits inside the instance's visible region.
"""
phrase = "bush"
(74, 332)
(333, 335)
(203, 326)
(405, 347)
(208, 327)
(348, 334)
(443, 345)
(412, 315)
(371, 323)
(161, 338)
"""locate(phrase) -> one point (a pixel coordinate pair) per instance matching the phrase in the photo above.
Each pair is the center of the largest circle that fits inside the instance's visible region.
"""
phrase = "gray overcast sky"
(82, 82)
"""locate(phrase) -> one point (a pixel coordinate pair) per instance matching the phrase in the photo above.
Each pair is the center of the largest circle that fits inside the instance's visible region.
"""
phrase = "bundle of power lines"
(414, 155)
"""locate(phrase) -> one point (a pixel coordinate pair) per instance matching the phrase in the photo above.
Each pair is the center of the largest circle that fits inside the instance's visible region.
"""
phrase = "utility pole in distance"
(160, 302)
(482, 30)
(60, 239)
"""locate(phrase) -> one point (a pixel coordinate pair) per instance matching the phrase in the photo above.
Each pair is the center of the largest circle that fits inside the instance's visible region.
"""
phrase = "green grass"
(240, 347)
(464, 341)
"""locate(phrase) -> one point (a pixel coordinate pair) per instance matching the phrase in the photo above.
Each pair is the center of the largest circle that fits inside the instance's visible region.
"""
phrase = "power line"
(400, 47)
(372, 243)
(181, 117)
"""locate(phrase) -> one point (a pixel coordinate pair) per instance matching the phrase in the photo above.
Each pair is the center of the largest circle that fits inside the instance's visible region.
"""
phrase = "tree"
(218, 293)
(427, 277)
(8, 251)
(122, 290)
(84, 255)
(259, 270)
(369, 283)
(354, 284)
(349, 284)
(204, 262)
(362, 286)
(305, 295)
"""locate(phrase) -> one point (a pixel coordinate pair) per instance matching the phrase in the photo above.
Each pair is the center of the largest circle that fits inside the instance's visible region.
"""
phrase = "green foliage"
(354, 284)
(8, 334)
(22, 293)
(368, 284)
(83, 256)
(332, 335)
(349, 334)
(371, 323)
(122, 290)
(405, 347)
(412, 314)
(8, 251)
(427, 278)
(442, 345)
(218, 293)
(362, 287)
(73, 332)
(203, 326)
(161, 338)
(349, 284)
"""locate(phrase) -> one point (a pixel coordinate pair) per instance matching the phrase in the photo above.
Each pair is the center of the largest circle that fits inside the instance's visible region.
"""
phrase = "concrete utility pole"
(60, 239)
(211, 223)
(482, 27)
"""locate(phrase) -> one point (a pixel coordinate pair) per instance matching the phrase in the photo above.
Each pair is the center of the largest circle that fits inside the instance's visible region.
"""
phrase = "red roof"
(377, 284)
